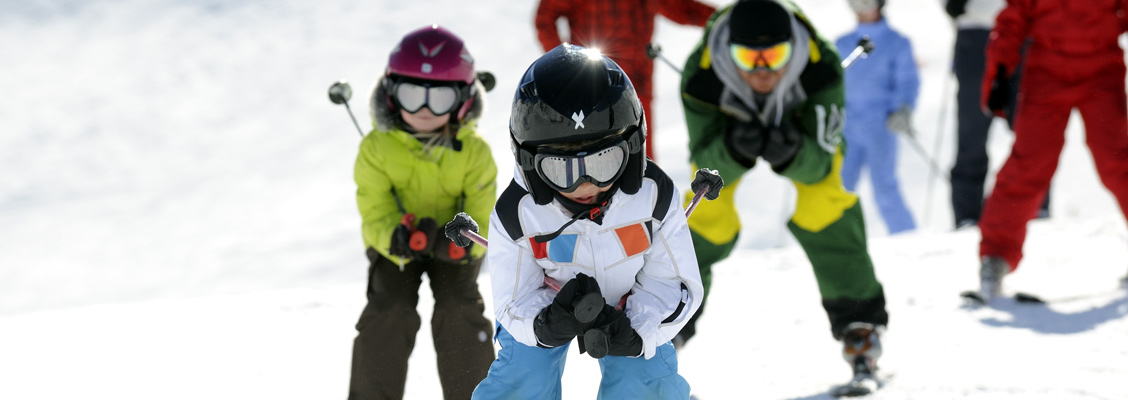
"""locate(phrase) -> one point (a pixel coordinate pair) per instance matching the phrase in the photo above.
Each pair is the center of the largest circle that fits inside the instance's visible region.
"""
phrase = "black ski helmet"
(573, 94)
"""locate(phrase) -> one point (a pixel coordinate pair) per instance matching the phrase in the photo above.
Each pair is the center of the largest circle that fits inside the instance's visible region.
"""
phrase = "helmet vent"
(615, 78)
(529, 90)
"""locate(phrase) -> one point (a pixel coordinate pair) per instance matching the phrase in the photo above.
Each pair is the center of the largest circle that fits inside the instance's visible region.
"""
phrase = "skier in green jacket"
(422, 164)
(764, 86)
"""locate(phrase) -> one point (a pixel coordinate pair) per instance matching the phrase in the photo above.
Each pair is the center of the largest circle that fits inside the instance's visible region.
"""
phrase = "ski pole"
(920, 150)
(862, 50)
(936, 145)
(653, 50)
(339, 93)
(706, 183)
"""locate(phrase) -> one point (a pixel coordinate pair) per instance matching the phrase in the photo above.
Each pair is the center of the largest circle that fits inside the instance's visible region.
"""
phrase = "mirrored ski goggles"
(751, 58)
(413, 96)
(565, 172)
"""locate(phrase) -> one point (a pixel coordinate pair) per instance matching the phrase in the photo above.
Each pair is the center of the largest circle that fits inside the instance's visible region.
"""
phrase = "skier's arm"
(686, 12)
(480, 187)
(906, 82)
(378, 210)
(1004, 52)
(1005, 48)
(548, 11)
(655, 306)
(517, 280)
(820, 121)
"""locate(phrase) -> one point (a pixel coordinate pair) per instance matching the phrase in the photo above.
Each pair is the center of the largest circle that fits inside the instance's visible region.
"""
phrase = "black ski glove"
(999, 97)
(401, 242)
(577, 304)
(955, 8)
(448, 251)
(782, 145)
(411, 241)
(745, 141)
(423, 239)
(612, 336)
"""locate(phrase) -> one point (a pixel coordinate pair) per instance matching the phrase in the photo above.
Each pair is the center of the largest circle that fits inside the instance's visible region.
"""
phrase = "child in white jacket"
(587, 210)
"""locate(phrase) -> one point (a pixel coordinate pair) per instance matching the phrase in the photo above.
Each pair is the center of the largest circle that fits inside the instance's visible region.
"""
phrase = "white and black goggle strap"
(634, 141)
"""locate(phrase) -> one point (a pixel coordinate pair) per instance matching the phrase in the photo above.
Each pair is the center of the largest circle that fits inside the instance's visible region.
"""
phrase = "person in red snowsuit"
(1073, 62)
(620, 30)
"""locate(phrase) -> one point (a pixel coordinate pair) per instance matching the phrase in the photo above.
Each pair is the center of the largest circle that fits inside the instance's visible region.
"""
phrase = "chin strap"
(593, 213)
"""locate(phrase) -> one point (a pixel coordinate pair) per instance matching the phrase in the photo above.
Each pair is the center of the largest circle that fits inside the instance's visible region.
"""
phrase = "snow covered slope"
(177, 217)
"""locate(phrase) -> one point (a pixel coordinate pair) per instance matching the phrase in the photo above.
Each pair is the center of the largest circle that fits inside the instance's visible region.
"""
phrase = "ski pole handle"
(339, 93)
(707, 183)
(654, 51)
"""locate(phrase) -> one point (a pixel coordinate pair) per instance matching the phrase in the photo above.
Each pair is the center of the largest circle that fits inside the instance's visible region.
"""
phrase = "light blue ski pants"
(870, 143)
(529, 372)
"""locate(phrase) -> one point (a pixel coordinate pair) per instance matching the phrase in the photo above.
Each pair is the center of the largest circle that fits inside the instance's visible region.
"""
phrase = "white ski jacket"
(643, 248)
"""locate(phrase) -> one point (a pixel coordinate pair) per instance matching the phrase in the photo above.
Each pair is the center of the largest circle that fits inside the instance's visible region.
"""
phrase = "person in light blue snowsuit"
(881, 93)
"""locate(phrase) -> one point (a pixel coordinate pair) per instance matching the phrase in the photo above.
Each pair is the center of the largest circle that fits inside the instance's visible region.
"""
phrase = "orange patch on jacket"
(634, 239)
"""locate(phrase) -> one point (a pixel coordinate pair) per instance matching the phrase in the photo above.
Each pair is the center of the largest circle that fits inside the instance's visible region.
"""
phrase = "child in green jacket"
(422, 164)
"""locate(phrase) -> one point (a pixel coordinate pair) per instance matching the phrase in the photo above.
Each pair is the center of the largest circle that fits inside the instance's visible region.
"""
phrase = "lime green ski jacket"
(437, 183)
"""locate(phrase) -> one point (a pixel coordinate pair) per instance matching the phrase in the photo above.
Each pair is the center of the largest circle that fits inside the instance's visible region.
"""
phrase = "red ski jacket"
(621, 29)
(1071, 39)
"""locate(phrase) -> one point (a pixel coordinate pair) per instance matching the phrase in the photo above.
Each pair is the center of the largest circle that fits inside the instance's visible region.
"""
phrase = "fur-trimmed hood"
(383, 119)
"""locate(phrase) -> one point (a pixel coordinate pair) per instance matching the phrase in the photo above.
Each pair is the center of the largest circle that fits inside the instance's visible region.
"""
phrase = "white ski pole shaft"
(923, 154)
(863, 49)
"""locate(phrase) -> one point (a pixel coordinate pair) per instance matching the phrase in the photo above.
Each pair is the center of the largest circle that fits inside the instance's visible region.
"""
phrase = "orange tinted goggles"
(751, 58)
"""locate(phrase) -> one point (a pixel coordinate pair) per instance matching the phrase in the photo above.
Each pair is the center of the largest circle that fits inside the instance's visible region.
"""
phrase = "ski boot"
(991, 273)
(861, 349)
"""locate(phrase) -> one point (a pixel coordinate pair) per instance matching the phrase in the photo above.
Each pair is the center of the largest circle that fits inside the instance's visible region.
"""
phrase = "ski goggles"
(751, 58)
(566, 171)
(413, 96)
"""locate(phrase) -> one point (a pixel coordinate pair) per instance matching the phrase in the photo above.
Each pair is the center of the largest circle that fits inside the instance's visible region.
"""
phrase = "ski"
(974, 298)
(857, 387)
(866, 378)
(861, 385)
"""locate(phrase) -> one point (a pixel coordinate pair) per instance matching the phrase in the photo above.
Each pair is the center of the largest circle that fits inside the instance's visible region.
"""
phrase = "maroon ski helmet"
(432, 53)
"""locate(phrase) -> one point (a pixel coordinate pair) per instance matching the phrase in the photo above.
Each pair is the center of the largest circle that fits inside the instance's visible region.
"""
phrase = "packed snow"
(177, 217)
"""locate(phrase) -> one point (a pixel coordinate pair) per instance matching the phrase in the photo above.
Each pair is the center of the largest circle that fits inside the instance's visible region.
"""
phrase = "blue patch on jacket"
(562, 249)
